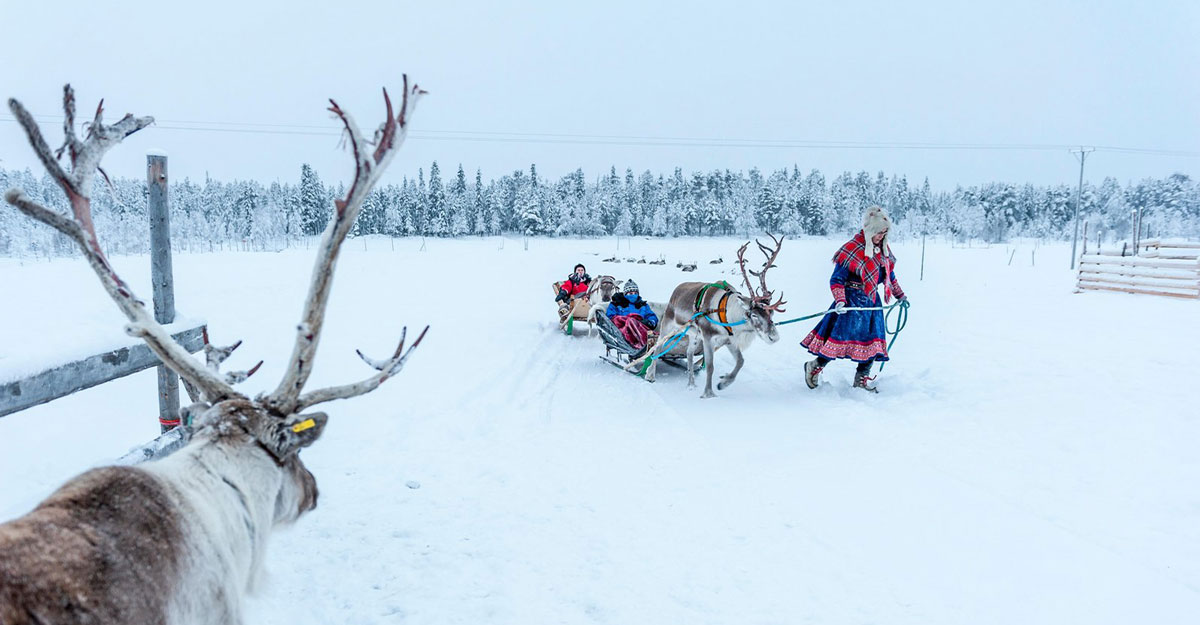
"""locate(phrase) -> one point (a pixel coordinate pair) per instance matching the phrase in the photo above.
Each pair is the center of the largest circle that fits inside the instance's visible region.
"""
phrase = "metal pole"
(1078, 196)
(1137, 229)
(162, 280)
(922, 257)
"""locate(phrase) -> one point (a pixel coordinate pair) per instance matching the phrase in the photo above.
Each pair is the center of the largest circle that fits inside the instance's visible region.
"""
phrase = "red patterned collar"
(853, 255)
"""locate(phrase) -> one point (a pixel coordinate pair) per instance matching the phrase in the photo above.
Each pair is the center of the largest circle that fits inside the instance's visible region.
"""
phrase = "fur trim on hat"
(630, 287)
(876, 220)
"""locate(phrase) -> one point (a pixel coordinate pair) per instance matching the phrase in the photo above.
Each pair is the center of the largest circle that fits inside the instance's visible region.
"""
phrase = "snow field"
(1029, 458)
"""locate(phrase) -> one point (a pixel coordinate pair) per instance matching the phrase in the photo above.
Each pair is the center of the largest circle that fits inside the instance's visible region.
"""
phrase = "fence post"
(922, 257)
(162, 280)
(1137, 229)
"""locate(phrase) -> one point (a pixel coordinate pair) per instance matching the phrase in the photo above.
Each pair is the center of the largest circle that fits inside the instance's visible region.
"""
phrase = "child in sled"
(572, 295)
(632, 316)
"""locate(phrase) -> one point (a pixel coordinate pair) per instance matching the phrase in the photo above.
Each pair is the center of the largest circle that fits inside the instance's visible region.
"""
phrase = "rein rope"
(901, 322)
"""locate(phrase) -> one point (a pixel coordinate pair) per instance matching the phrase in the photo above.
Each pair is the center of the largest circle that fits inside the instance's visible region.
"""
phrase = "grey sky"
(1097, 73)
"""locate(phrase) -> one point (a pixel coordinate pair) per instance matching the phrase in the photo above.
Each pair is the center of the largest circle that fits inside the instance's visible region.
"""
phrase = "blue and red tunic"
(857, 334)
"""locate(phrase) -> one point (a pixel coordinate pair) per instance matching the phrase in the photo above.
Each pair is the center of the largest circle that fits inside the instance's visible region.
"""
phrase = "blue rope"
(889, 307)
(678, 336)
(718, 323)
(901, 322)
(675, 338)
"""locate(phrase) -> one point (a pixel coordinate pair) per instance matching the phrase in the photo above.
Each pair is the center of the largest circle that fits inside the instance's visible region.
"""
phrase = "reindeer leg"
(709, 365)
(728, 378)
(649, 377)
(666, 329)
(691, 356)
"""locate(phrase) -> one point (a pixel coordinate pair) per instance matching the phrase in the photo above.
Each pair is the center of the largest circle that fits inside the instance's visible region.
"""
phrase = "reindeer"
(182, 539)
(750, 317)
(602, 288)
(600, 293)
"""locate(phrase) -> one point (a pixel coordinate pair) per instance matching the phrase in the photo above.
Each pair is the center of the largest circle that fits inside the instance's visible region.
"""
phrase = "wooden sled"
(619, 353)
(579, 309)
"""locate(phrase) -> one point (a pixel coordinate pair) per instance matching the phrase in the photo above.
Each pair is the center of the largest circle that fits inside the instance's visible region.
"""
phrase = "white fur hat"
(875, 221)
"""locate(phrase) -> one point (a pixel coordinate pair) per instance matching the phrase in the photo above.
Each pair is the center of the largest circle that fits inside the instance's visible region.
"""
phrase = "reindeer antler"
(386, 368)
(368, 167)
(741, 257)
(206, 382)
(85, 157)
(762, 295)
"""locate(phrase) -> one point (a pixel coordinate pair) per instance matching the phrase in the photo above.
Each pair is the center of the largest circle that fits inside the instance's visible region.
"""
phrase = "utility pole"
(1082, 157)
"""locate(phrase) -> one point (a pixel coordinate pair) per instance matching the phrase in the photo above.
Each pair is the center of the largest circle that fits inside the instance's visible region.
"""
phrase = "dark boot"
(812, 371)
(863, 379)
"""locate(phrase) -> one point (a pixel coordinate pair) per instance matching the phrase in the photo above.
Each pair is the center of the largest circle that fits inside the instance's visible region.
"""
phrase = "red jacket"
(574, 288)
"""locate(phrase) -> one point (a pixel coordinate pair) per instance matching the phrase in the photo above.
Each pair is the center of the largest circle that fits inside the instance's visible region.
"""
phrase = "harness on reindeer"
(721, 308)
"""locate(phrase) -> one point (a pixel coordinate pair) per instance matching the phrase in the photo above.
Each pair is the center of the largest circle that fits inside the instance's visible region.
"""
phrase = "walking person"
(861, 266)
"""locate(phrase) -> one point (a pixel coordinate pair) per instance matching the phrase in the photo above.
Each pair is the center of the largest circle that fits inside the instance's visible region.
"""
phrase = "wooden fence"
(1158, 267)
(69, 377)
(64, 379)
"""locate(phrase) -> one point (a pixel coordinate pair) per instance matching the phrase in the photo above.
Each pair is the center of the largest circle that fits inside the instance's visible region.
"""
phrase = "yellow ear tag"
(304, 425)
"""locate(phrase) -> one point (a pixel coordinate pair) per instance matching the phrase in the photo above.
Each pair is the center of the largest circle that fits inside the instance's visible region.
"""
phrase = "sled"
(619, 353)
(580, 309)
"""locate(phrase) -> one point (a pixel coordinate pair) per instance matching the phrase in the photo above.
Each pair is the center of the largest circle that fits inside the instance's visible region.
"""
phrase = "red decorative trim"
(859, 351)
(839, 292)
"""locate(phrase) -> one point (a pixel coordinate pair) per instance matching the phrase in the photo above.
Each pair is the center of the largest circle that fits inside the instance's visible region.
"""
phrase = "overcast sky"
(634, 77)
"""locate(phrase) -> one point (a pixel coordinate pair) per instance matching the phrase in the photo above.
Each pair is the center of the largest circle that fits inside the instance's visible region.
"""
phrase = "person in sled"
(572, 295)
(632, 316)
(860, 267)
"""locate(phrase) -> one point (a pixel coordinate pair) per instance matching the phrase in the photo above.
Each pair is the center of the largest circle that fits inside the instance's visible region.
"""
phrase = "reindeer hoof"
(708, 395)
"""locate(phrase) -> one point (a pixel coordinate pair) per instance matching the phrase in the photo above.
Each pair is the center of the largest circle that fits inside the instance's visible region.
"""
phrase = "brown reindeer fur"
(98, 550)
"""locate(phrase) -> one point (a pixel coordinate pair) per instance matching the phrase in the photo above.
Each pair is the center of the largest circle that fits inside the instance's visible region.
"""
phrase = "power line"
(476, 136)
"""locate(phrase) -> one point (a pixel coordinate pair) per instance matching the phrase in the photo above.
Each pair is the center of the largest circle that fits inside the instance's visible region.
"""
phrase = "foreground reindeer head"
(757, 306)
(238, 425)
(196, 521)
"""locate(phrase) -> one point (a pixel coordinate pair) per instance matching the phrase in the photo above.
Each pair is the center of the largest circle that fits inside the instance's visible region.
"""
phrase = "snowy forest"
(253, 216)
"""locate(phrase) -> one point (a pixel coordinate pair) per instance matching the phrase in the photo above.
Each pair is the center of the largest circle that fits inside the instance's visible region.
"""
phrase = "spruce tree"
(477, 224)
(314, 208)
(439, 210)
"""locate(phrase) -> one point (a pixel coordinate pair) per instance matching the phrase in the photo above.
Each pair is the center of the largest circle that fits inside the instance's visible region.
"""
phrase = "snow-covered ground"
(1030, 458)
